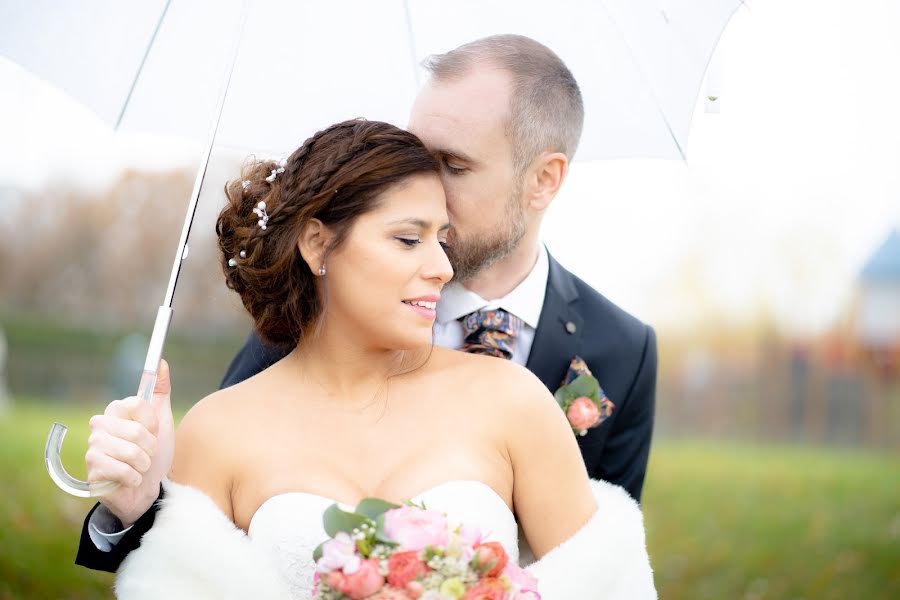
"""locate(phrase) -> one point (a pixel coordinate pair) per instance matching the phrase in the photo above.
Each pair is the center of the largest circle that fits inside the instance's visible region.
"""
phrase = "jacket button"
(570, 327)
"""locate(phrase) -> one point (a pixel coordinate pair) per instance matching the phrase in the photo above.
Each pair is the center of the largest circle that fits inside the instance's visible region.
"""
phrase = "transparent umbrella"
(261, 75)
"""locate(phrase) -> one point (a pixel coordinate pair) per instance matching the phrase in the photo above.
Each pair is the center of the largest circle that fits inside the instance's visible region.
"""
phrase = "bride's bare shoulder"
(204, 438)
(501, 378)
(215, 410)
(520, 405)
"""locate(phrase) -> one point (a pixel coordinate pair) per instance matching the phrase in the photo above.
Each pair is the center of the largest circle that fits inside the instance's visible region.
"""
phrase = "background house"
(878, 309)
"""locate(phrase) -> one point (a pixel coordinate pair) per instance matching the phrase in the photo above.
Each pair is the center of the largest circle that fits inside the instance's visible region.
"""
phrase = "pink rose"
(389, 593)
(414, 528)
(363, 582)
(335, 580)
(490, 558)
(526, 595)
(487, 589)
(522, 579)
(470, 536)
(415, 589)
(404, 567)
(583, 414)
(317, 577)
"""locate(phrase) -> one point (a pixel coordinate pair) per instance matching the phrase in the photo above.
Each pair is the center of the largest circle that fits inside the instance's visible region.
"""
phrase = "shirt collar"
(524, 301)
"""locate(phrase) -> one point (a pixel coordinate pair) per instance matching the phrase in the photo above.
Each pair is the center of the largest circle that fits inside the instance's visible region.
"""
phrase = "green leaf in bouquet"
(431, 552)
(364, 546)
(318, 552)
(374, 507)
(336, 520)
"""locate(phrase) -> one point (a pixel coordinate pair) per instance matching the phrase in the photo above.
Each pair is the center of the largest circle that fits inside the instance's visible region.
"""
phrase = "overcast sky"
(784, 193)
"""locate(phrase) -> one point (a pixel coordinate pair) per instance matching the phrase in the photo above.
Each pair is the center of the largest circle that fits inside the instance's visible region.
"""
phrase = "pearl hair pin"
(276, 172)
(233, 263)
(260, 211)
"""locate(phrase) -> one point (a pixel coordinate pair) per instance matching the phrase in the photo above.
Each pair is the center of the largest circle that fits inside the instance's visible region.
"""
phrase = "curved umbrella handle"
(52, 459)
(53, 448)
(61, 477)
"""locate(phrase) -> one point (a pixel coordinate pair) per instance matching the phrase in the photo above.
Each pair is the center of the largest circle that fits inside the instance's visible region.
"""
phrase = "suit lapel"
(559, 330)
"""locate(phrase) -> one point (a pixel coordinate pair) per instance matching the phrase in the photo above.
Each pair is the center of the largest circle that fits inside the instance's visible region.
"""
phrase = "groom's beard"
(470, 255)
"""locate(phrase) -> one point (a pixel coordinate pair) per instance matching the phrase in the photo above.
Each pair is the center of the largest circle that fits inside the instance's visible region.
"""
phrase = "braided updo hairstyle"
(335, 176)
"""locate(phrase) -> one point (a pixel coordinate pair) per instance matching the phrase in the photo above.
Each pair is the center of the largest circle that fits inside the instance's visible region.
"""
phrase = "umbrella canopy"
(156, 65)
(269, 73)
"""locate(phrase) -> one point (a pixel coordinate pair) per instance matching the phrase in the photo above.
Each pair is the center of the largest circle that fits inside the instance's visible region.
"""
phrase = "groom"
(504, 116)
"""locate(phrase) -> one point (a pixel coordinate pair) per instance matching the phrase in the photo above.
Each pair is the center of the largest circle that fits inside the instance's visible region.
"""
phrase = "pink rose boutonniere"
(582, 399)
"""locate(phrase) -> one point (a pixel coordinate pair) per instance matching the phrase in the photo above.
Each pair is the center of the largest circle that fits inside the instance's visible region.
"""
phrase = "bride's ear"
(313, 242)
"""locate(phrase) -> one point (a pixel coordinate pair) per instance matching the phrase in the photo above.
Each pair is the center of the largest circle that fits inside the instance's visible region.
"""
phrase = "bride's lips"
(424, 305)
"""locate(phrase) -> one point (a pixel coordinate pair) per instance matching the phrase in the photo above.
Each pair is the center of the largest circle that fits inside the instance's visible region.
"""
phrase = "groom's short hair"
(546, 111)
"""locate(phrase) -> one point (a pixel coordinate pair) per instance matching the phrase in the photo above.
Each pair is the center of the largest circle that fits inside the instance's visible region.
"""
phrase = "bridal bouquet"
(382, 551)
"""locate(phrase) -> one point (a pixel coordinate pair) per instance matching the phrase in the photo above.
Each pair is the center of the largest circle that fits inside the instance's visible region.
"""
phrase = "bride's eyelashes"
(409, 241)
(412, 242)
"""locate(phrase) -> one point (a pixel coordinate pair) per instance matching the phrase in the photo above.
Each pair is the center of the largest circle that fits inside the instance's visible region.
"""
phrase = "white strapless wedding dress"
(193, 551)
(288, 527)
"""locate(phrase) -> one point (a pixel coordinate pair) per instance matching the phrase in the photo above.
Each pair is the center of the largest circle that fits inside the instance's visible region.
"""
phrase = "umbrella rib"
(412, 42)
(646, 81)
(204, 163)
(140, 68)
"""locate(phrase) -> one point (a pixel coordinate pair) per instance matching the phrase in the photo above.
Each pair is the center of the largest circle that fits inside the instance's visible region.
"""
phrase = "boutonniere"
(582, 399)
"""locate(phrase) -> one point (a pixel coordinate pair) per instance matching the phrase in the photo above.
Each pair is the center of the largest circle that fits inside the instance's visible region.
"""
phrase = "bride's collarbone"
(346, 488)
(345, 469)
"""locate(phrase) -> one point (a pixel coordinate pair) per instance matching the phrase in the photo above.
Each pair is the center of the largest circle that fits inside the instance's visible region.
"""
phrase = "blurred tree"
(103, 258)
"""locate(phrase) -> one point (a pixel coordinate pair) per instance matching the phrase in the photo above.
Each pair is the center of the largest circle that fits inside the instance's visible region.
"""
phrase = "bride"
(340, 252)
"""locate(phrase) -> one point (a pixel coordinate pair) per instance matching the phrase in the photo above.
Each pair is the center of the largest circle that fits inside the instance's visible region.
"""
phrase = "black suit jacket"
(575, 321)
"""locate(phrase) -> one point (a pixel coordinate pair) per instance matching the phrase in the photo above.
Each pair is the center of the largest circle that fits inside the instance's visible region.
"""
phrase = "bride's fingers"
(103, 467)
(127, 431)
(135, 409)
(122, 450)
(104, 444)
(121, 408)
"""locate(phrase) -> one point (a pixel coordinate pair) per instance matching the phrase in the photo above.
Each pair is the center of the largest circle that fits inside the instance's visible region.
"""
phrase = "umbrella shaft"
(181, 253)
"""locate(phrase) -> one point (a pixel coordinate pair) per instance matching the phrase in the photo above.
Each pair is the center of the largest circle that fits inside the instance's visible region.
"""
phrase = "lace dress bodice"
(288, 527)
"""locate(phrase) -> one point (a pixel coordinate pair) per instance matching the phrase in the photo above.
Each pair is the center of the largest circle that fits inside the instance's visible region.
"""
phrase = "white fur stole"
(195, 552)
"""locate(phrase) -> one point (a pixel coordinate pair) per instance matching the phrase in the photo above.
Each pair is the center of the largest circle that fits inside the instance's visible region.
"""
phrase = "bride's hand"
(132, 443)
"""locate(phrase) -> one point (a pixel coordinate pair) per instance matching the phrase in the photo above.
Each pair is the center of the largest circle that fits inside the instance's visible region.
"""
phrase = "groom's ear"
(313, 243)
(547, 174)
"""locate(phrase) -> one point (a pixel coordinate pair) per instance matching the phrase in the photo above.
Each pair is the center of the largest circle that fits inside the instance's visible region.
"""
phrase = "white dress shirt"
(525, 301)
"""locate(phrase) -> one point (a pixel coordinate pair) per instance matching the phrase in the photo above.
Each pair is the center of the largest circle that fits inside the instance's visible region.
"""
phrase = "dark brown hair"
(335, 176)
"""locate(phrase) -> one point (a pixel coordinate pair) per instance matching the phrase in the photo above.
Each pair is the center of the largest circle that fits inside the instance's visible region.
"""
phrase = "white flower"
(339, 553)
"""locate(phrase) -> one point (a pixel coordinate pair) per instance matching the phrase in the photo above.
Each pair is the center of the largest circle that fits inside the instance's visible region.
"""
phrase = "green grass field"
(724, 521)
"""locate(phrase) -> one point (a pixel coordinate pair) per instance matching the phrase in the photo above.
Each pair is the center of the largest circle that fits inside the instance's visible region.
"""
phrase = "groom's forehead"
(479, 89)
(450, 116)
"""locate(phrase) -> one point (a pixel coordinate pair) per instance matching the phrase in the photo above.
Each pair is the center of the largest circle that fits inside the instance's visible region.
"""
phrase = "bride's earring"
(322, 270)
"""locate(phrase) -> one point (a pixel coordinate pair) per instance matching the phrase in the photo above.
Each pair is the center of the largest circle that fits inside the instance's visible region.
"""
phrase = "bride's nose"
(437, 265)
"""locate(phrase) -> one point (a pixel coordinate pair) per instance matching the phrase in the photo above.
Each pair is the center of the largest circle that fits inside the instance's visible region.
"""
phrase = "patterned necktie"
(491, 332)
